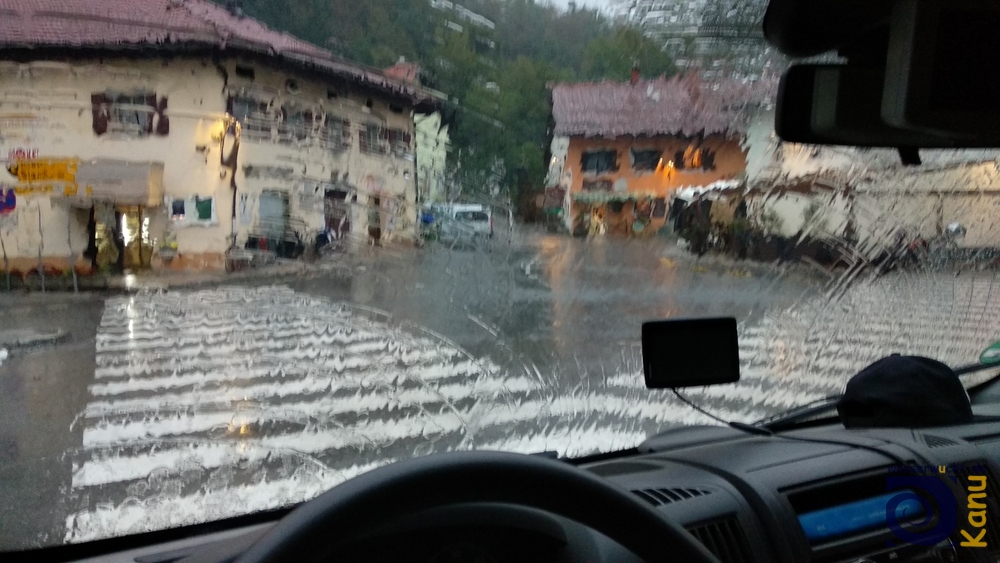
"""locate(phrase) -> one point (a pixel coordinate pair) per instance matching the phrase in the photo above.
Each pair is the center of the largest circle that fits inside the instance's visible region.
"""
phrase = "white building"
(833, 192)
(183, 131)
(433, 144)
(432, 138)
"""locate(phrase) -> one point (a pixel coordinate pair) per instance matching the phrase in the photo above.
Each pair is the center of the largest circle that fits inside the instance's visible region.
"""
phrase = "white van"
(465, 221)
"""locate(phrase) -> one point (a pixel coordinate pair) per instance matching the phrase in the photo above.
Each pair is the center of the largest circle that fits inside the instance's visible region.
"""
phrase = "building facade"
(182, 132)
(621, 151)
(432, 139)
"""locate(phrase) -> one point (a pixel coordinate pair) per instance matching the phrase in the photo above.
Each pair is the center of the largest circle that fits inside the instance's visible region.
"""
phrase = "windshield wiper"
(791, 418)
(799, 413)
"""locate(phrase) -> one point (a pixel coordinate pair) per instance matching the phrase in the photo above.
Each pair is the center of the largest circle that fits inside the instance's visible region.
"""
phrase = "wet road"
(195, 405)
(554, 302)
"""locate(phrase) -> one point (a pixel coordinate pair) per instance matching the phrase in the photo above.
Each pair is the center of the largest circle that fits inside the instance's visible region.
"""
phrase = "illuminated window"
(695, 159)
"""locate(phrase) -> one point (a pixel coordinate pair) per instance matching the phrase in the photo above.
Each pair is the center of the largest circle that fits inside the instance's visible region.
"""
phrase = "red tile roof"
(162, 23)
(682, 105)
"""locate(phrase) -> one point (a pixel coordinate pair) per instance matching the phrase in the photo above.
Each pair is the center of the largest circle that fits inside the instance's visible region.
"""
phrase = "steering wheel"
(318, 527)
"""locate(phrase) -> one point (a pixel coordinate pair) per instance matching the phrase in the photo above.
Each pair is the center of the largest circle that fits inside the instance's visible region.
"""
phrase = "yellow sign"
(31, 171)
(67, 190)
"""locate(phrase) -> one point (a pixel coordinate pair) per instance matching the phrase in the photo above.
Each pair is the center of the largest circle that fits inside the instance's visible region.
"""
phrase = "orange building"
(620, 150)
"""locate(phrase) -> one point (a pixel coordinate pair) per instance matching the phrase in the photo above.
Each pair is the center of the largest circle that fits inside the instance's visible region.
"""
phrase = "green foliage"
(770, 222)
(740, 226)
(613, 56)
(500, 98)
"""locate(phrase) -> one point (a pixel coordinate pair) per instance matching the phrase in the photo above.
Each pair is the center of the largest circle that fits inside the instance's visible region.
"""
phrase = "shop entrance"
(338, 213)
(119, 238)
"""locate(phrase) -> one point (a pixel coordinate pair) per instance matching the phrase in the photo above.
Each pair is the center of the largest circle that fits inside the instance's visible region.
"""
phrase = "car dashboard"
(811, 494)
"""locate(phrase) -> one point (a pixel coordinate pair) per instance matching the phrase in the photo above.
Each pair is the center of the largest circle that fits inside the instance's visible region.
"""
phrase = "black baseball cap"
(905, 392)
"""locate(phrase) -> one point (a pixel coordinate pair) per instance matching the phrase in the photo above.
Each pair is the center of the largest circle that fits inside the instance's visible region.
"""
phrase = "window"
(399, 140)
(132, 113)
(193, 211)
(295, 125)
(646, 160)
(597, 185)
(695, 159)
(128, 112)
(245, 72)
(253, 117)
(599, 162)
(472, 216)
(370, 138)
(335, 134)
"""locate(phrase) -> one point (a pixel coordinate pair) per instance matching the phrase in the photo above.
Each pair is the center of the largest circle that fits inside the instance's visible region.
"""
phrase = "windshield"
(226, 288)
(472, 216)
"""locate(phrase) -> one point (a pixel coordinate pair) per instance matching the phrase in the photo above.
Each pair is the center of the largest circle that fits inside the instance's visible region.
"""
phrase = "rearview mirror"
(842, 105)
(943, 69)
(933, 85)
(690, 353)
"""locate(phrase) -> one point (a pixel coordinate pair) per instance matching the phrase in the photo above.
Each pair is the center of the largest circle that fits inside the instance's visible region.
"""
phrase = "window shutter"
(100, 103)
(163, 122)
(150, 117)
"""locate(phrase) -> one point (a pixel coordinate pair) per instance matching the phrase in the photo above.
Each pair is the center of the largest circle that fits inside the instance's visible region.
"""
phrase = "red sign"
(22, 154)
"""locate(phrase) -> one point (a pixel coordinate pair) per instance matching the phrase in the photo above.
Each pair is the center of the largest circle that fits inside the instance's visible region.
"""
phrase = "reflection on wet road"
(204, 404)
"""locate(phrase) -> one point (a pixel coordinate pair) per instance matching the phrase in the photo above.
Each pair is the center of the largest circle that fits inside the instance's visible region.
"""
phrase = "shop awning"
(687, 193)
(85, 182)
(120, 182)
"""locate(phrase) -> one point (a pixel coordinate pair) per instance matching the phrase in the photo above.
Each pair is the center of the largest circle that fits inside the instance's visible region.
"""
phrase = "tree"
(612, 57)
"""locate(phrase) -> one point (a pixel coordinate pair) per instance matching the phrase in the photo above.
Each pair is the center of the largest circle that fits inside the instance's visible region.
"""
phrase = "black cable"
(758, 431)
(699, 409)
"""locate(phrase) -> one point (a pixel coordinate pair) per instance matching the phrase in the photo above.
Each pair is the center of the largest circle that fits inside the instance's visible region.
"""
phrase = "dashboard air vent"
(657, 497)
(938, 441)
(726, 540)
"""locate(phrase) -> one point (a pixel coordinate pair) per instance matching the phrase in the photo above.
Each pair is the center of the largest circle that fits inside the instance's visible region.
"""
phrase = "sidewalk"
(156, 281)
(24, 338)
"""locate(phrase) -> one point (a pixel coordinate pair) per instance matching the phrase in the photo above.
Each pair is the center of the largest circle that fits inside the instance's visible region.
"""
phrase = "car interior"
(807, 485)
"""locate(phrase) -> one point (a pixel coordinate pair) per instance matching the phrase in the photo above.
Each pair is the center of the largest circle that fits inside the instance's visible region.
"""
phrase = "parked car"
(465, 222)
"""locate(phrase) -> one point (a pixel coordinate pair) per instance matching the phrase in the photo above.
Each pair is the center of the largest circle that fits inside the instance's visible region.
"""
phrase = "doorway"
(375, 220)
(273, 221)
(119, 238)
(337, 212)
